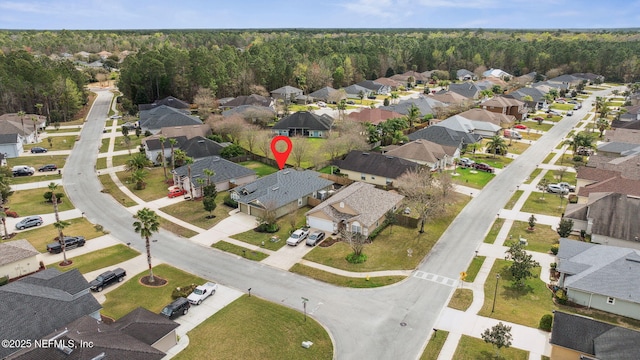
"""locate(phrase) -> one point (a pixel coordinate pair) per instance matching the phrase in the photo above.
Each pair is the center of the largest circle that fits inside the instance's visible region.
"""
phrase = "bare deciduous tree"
(300, 150)
(249, 135)
(263, 143)
(421, 193)
(355, 240)
(230, 127)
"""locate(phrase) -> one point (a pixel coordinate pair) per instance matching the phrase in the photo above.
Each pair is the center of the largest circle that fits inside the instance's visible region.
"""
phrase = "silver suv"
(29, 221)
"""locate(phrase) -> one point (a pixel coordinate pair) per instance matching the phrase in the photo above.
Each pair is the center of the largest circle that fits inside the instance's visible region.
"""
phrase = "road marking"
(436, 278)
(315, 308)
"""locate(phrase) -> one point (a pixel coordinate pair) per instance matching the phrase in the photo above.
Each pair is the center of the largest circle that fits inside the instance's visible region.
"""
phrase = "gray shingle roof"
(168, 101)
(253, 99)
(225, 170)
(165, 116)
(12, 251)
(354, 90)
(606, 270)
(153, 143)
(387, 166)
(304, 120)
(467, 89)
(596, 338)
(145, 326)
(373, 86)
(426, 105)
(37, 305)
(281, 188)
(287, 90)
(324, 94)
(9, 138)
(199, 147)
(445, 136)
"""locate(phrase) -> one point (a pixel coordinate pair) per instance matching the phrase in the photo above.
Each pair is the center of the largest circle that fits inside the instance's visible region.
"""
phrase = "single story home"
(359, 208)
(374, 168)
(447, 137)
(304, 123)
(427, 153)
(459, 123)
(11, 145)
(169, 101)
(373, 116)
(154, 119)
(227, 175)
(355, 91)
(505, 105)
(286, 93)
(18, 258)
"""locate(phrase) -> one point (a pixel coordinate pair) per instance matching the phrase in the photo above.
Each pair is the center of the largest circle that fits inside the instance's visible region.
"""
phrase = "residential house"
(42, 303)
(392, 84)
(590, 77)
(253, 99)
(418, 78)
(467, 89)
(425, 104)
(10, 145)
(496, 73)
(169, 101)
(577, 337)
(328, 94)
(629, 120)
(446, 137)
(450, 98)
(153, 147)
(140, 334)
(527, 78)
(359, 208)
(624, 166)
(547, 85)
(608, 217)
(252, 113)
(154, 119)
(373, 116)
(505, 105)
(355, 91)
(286, 93)
(374, 168)
(200, 147)
(462, 124)
(587, 175)
(190, 131)
(376, 87)
(24, 126)
(282, 192)
(478, 114)
(427, 153)
(617, 149)
(569, 80)
(537, 101)
(600, 277)
(304, 123)
(18, 258)
(227, 175)
(465, 75)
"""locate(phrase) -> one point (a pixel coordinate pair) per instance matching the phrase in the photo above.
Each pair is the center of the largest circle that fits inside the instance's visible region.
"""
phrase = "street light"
(495, 293)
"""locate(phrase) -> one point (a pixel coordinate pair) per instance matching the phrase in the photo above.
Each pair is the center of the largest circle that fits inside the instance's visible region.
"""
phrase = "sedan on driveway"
(521, 127)
(297, 237)
(38, 149)
(48, 167)
(315, 238)
(29, 221)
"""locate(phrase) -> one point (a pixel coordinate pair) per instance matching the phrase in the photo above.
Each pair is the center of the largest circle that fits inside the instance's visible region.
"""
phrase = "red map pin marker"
(281, 157)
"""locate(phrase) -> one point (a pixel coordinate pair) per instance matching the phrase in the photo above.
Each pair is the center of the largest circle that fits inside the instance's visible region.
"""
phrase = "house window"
(235, 196)
(300, 202)
(611, 300)
(363, 177)
(356, 228)
(389, 181)
(373, 178)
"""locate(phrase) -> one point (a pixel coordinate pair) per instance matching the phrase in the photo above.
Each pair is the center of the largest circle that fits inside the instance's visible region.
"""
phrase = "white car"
(321, 104)
(557, 189)
(297, 237)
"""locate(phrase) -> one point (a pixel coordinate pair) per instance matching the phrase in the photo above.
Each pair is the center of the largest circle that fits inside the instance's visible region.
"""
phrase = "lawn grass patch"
(193, 212)
(253, 328)
(109, 187)
(241, 251)
(565, 107)
(461, 299)
(121, 145)
(533, 175)
(48, 177)
(57, 143)
(155, 189)
(104, 145)
(52, 130)
(549, 157)
(260, 168)
(493, 232)
(520, 305)
(37, 161)
(100, 259)
(41, 236)
(470, 348)
(535, 126)
(132, 294)
(472, 178)
(176, 229)
(539, 240)
(32, 202)
(258, 238)
(390, 248)
(101, 163)
(544, 204)
(474, 268)
(568, 161)
(345, 281)
(517, 147)
(514, 199)
(434, 346)
(553, 176)
(497, 161)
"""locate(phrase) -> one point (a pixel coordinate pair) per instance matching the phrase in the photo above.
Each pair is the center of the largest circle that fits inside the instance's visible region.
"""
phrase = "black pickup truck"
(107, 278)
(71, 242)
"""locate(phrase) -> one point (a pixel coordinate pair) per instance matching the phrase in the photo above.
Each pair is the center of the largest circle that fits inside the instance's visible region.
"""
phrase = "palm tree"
(35, 127)
(394, 97)
(179, 157)
(138, 176)
(164, 164)
(137, 161)
(201, 182)
(61, 224)
(148, 223)
(3, 217)
(361, 96)
(602, 125)
(413, 115)
(497, 145)
(22, 114)
(173, 143)
(209, 173)
(188, 161)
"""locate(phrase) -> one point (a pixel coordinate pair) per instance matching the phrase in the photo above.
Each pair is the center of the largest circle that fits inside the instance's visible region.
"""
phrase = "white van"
(512, 134)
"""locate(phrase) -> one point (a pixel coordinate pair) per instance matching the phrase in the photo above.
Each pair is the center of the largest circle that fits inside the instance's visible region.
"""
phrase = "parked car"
(351, 102)
(297, 236)
(202, 292)
(107, 278)
(48, 167)
(512, 134)
(557, 189)
(584, 151)
(466, 162)
(321, 104)
(175, 191)
(315, 238)
(568, 186)
(38, 149)
(179, 306)
(521, 127)
(71, 242)
(115, 117)
(483, 167)
(29, 221)
(570, 113)
(23, 170)
(129, 126)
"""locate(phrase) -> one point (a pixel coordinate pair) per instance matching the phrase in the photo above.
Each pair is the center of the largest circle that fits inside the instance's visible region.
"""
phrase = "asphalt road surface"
(393, 322)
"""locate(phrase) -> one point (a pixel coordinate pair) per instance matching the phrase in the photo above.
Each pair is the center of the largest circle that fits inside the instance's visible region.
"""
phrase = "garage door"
(320, 224)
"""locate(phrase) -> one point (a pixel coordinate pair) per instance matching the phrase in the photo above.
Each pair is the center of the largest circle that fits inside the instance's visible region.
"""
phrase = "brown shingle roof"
(423, 151)
(501, 101)
(17, 250)
(374, 116)
(616, 184)
(630, 136)
(479, 114)
(595, 174)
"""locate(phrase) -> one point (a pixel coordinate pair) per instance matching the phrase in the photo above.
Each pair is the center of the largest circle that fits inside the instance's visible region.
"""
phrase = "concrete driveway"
(236, 223)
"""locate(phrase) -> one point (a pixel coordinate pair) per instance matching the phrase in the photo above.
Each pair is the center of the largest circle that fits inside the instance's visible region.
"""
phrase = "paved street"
(393, 322)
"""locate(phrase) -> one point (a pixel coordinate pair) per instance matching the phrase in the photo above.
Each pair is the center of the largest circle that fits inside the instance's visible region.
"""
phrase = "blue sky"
(217, 14)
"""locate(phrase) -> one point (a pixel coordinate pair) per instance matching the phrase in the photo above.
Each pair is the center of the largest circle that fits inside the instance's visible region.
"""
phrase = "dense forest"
(229, 63)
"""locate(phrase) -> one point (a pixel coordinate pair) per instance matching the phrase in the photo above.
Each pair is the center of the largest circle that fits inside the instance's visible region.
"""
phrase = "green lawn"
(550, 156)
(470, 348)
(554, 176)
(40, 236)
(50, 176)
(133, 294)
(38, 161)
(539, 240)
(567, 160)
(345, 281)
(518, 147)
(109, 187)
(100, 259)
(545, 204)
(241, 251)
(193, 212)
(52, 130)
(564, 107)
(461, 299)
(389, 250)
(104, 145)
(31, 202)
(257, 238)
(497, 161)
(520, 305)
(121, 145)
(534, 126)
(156, 186)
(252, 328)
(474, 268)
(314, 146)
(176, 229)
(475, 179)
(533, 175)
(493, 232)
(434, 346)
(117, 161)
(57, 143)
(260, 168)
(514, 199)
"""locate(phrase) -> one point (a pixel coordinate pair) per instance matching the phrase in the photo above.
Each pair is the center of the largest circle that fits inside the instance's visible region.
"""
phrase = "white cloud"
(24, 7)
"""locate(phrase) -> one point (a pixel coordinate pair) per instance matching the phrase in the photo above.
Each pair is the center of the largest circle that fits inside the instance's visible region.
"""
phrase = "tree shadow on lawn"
(512, 290)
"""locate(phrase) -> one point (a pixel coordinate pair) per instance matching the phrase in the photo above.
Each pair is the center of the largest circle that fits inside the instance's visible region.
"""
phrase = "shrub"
(356, 259)
(577, 158)
(554, 249)
(545, 322)
(561, 296)
(553, 265)
(4, 280)
(12, 214)
(98, 227)
(230, 202)
(183, 291)
(268, 228)
(48, 195)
